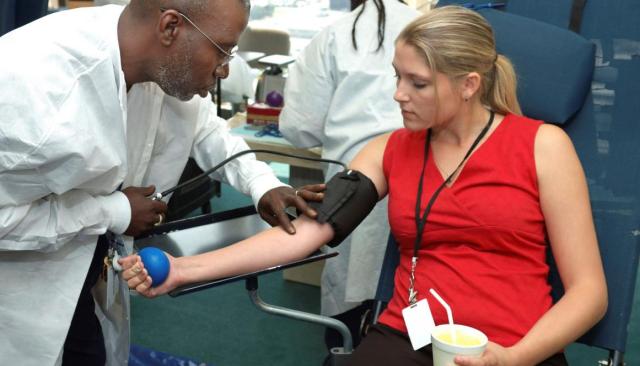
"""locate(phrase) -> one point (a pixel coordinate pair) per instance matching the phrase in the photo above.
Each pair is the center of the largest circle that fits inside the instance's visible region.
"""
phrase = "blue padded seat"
(557, 12)
(16, 13)
(554, 70)
(7, 16)
(556, 94)
(29, 10)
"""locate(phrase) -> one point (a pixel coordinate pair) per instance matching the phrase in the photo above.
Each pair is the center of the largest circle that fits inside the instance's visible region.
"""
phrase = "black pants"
(353, 320)
(387, 346)
(84, 345)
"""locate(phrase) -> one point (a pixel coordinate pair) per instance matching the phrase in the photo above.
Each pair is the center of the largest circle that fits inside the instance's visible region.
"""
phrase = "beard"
(174, 75)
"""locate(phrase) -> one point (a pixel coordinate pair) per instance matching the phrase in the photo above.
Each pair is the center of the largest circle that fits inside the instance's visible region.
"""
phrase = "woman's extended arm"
(564, 200)
(266, 249)
(263, 250)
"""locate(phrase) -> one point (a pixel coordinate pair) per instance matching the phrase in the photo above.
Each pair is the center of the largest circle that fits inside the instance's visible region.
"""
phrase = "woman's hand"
(493, 355)
(138, 278)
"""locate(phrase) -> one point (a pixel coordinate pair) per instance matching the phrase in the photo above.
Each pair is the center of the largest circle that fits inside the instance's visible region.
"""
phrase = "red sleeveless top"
(484, 243)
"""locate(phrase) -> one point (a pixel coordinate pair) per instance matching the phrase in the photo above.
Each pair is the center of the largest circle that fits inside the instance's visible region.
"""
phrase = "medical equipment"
(349, 198)
(159, 195)
(272, 78)
(156, 263)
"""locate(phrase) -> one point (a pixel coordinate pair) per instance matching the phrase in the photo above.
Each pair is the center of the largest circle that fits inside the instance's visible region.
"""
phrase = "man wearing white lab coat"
(339, 97)
(93, 100)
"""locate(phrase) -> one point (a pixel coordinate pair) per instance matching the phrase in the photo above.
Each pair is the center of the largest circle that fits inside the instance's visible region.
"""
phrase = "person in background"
(477, 195)
(99, 108)
(339, 95)
(239, 86)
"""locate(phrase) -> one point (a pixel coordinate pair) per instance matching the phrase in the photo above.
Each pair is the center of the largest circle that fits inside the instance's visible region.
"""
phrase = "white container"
(471, 342)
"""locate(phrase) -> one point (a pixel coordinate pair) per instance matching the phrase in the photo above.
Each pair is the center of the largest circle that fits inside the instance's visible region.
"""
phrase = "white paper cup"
(470, 342)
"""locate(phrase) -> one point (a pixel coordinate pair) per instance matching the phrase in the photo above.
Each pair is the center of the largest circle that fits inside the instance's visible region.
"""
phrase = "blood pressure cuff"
(348, 199)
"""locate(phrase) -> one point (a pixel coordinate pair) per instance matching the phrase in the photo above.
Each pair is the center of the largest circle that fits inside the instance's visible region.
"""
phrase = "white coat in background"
(240, 82)
(70, 135)
(340, 98)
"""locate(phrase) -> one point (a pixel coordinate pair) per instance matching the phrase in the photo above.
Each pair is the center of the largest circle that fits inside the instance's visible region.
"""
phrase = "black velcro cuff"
(349, 198)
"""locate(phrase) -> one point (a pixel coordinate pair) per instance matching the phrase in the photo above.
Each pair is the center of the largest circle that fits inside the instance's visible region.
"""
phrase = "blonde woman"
(475, 193)
(350, 57)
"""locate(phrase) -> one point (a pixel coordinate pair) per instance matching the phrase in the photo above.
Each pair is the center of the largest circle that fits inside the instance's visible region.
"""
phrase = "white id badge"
(419, 322)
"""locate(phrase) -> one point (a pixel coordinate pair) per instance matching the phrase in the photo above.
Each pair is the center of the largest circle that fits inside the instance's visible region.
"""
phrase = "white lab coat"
(70, 135)
(340, 98)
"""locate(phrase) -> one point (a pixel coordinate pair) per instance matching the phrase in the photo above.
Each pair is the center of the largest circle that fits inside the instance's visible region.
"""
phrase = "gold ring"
(135, 269)
(296, 193)
(160, 219)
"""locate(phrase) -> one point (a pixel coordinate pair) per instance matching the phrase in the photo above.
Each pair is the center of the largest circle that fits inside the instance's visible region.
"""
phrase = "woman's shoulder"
(520, 128)
(522, 121)
(400, 139)
(380, 142)
(545, 133)
(402, 145)
(377, 148)
(552, 139)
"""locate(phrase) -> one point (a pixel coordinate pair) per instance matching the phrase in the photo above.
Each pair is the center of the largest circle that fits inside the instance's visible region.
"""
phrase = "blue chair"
(29, 10)
(597, 105)
(7, 16)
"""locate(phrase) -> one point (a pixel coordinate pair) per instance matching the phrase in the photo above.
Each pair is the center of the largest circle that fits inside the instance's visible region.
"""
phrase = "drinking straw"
(449, 313)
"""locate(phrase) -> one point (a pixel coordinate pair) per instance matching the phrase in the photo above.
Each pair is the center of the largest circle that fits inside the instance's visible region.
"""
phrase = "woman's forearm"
(579, 309)
(266, 249)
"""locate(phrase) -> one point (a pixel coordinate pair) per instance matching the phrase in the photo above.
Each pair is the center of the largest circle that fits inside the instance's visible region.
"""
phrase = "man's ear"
(470, 85)
(169, 25)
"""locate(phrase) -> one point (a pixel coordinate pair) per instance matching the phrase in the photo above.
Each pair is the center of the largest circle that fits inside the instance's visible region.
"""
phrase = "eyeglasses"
(228, 56)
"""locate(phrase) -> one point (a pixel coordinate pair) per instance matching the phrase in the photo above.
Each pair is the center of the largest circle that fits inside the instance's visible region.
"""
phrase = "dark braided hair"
(382, 19)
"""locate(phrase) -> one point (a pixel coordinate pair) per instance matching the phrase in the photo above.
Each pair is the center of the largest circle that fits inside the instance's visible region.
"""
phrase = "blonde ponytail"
(501, 93)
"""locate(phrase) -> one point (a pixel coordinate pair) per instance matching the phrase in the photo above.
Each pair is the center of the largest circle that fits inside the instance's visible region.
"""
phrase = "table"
(301, 172)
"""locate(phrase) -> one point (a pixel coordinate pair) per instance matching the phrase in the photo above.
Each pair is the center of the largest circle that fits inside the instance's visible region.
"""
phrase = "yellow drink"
(469, 342)
(462, 338)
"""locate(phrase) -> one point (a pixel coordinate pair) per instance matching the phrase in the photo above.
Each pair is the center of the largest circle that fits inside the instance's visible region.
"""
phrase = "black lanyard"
(421, 220)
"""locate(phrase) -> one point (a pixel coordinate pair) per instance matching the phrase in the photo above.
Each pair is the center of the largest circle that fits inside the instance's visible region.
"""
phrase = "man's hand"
(272, 205)
(145, 212)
